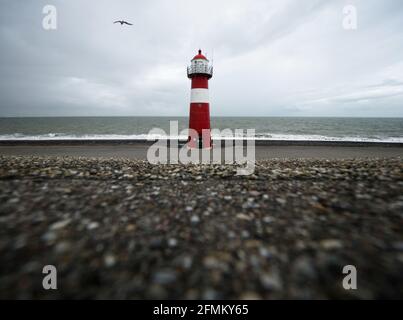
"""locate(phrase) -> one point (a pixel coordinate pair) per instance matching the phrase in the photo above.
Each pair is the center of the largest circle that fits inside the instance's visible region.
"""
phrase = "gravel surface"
(117, 228)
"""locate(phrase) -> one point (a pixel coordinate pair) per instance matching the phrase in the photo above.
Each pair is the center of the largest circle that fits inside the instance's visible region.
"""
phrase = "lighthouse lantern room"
(200, 72)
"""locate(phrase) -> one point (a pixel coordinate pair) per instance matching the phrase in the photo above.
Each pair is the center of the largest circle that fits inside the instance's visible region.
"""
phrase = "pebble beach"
(126, 229)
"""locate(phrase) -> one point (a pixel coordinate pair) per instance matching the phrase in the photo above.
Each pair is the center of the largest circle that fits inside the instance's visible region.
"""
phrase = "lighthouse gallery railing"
(200, 69)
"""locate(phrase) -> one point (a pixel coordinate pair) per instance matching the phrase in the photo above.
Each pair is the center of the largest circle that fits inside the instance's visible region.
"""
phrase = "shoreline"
(258, 142)
(137, 149)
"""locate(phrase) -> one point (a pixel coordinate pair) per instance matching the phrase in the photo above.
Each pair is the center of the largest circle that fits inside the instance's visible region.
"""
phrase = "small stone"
(49, 236)
(231, 234)
(209, 294)
(164, 277)
(63, 247)
(93, 225)
(398, 245)
(304, 268)
(157, 292)
(250, 244)
(191, 294)
(245, 234)
(60, 224)
(172, 242)
(331, 244)
(211, 262)
(130, 227)
(271, 281)
(268, 219)
(264, 252)
(242, 216)
(156, 243)
(13, 200)
(187, 262)
(109, 260)
(195, 219)
(254, 193)
(250, 296)
(32, 267)
(281, 201)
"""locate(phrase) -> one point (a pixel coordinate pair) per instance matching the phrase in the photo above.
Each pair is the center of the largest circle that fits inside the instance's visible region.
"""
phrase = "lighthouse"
(200, 72)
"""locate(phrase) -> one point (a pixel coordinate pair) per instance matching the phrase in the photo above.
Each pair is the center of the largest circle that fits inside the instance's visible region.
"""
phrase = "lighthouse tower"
(199, 72)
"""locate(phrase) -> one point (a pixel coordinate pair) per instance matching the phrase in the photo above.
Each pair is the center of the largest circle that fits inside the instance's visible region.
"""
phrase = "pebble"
(195, 219)
(303, 268)
(271, 281)
(268, 219)
(254, 193)
(63, 247)
(281, 201)
(109, 260)
(209, 294)
(264, 252)
(172, 242)
(250, 295)
(242, 216)
(398, 245)
(245, 234)
(277, 235)
(49, 236)
(187, 262)
(130, 227)
(60, 224)
(331, 244)
(92, 225)
(164, 277)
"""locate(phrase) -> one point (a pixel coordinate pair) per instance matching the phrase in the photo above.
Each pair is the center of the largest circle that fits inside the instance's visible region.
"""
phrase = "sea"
(266, 128)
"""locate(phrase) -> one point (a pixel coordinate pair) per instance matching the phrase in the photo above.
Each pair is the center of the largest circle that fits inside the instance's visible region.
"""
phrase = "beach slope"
(121, 228)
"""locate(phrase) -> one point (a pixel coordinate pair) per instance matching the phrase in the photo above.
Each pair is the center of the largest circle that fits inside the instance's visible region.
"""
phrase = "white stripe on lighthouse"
(199, 96)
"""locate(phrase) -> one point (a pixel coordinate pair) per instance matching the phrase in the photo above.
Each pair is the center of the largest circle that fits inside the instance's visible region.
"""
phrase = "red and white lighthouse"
(200, 72)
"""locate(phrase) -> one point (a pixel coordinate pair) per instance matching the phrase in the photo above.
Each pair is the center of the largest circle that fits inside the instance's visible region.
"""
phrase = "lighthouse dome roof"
(199, 56)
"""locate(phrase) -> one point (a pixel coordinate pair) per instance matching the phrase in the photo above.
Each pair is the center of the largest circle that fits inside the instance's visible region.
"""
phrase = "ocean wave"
(258, 136)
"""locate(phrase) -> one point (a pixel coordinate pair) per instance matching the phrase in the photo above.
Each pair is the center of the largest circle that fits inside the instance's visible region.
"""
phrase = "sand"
(264, 149)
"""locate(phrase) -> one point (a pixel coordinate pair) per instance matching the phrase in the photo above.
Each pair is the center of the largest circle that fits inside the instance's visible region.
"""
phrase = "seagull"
(122, 22)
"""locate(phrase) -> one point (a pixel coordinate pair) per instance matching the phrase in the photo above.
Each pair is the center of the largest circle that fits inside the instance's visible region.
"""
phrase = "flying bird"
(122, 22)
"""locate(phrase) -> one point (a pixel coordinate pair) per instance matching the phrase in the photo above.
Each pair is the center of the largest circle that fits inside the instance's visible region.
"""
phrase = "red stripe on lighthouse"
(200, 82)
(199, 117)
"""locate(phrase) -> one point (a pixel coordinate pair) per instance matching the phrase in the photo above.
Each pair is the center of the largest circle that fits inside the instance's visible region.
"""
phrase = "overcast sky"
(271, 58)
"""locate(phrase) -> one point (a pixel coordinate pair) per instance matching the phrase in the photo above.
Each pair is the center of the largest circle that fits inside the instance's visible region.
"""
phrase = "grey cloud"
(284, 57)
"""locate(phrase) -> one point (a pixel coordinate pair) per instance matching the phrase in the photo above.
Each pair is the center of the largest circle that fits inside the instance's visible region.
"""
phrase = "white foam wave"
(284, 137)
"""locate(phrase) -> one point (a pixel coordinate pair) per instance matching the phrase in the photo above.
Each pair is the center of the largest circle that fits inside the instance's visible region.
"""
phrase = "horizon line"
(178, 116)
